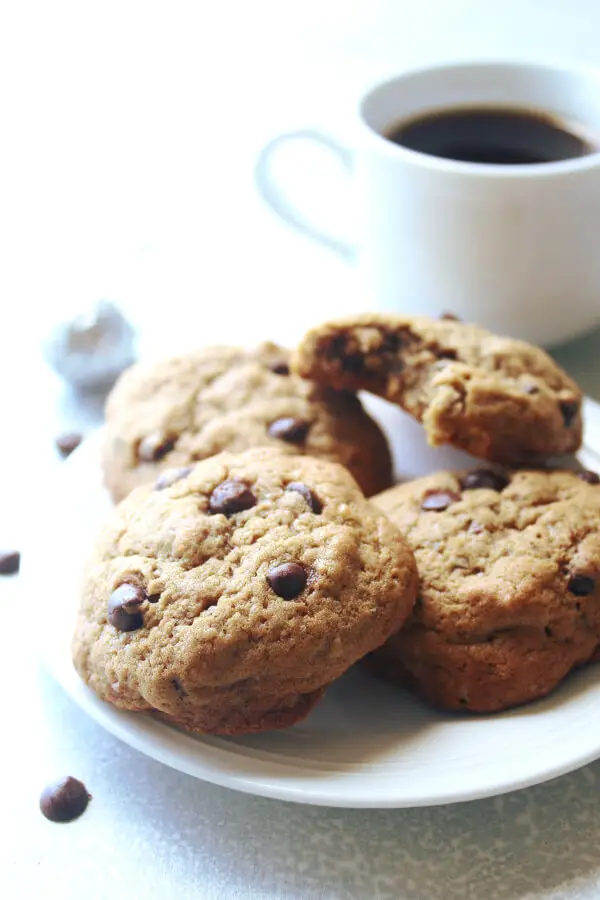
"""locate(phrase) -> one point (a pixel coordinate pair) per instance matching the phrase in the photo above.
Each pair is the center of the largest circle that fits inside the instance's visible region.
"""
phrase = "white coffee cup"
(515, 248)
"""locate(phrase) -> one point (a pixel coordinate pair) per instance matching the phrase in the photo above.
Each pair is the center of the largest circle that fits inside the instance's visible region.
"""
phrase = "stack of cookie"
(245, 571)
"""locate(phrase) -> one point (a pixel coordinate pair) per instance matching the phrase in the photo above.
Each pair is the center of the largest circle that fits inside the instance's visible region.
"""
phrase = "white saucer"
(367, 744)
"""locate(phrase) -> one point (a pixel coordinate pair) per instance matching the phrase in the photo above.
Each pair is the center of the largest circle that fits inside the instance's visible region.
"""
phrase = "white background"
(128, 136)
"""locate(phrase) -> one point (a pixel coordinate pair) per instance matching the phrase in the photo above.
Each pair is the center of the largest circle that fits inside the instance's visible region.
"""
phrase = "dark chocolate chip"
(437, 501)
(153, 598)
(64, 800)
(154, 446)
(171, 476)
(231, 497)
(287, 580)
(124, 607)
(177, 685)
(569, 410)
(484, 478)
(446, 353)
(293, 431)
(581, 585)
(530, 389)
(280, 368)
(589, 476)
(353, 363)
(67, 442)
(309, 495)
(450, 317)
(10, 562)
(391, 342)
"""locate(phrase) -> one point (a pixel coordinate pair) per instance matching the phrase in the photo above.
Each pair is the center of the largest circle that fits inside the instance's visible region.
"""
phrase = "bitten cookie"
(497, 398)
(509, 602)
(188, 408)
(226, 599)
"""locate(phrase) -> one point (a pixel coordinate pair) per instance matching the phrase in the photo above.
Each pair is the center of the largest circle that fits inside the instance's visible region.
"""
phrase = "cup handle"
(276, 198)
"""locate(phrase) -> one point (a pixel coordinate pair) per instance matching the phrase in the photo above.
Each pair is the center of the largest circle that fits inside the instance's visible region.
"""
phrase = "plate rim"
(212, 762)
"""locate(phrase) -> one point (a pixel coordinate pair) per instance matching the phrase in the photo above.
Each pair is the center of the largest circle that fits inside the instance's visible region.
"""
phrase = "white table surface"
(129, 135)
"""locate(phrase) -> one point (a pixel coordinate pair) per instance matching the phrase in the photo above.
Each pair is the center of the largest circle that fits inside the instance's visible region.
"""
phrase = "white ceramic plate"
(367, 744)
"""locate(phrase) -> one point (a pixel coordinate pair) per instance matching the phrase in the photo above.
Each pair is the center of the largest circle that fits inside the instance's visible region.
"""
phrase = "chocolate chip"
(293, 431)
(309, 495)
(446, 353)
(280, 368)
(437, 501)
(287, 580)
(64, 800)
(153, 598)
(581, 585)
(10, 562)
(231, 497)
(569, 410)
(154, 446)
(124, 607)
(171, 476)
(67, 442)
(530, 389)
(589, 476)
(353, 363)
(177, 686)
(450, 317)
(484, 478)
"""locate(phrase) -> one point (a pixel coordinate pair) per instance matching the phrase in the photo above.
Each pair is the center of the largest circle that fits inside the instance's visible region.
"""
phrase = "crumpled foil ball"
(92, 348)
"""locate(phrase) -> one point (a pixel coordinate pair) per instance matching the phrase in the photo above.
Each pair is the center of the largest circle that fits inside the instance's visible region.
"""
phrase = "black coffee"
(499, 135)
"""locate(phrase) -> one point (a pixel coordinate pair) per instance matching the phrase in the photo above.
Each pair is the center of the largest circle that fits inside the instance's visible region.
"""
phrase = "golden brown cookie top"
(499, 550)
(257, 569)
(170, 413)
(497, 398)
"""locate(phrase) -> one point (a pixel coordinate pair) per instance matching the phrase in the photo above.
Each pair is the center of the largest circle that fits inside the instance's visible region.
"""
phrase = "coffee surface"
(497, 135)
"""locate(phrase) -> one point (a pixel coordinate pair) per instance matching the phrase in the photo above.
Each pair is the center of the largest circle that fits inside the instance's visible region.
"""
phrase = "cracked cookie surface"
(497, 398)
(509, 601)
(228, 599)
(171, 413)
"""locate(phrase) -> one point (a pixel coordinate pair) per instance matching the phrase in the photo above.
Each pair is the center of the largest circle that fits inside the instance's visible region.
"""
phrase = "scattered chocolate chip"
(450, 317)
(589, 476)
(171, 476)
(154, 446)
(581, 585)
(309, 495)
(153, 598)
(484, 478)
(10, 562)
(64, 800)
(446, 353)
(67, 442)
(293, 431)
(548, 631)
(124, 607)
(569, 410)
(231, 497)
(287, 580)
(530, 389)
(437, 501)
(280, 368)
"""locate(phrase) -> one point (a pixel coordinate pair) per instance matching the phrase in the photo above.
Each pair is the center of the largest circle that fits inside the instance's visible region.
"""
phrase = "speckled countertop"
(146, 194)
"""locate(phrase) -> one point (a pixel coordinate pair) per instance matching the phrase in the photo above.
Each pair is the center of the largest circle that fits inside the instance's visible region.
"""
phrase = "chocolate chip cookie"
(509, 602)
(172, 413)
(227, 597)
(497, 398)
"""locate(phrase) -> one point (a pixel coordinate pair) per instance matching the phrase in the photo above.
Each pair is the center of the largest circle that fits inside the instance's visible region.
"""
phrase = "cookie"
(171, 413)
(509, 603)
(227, 599)
(497, 398)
